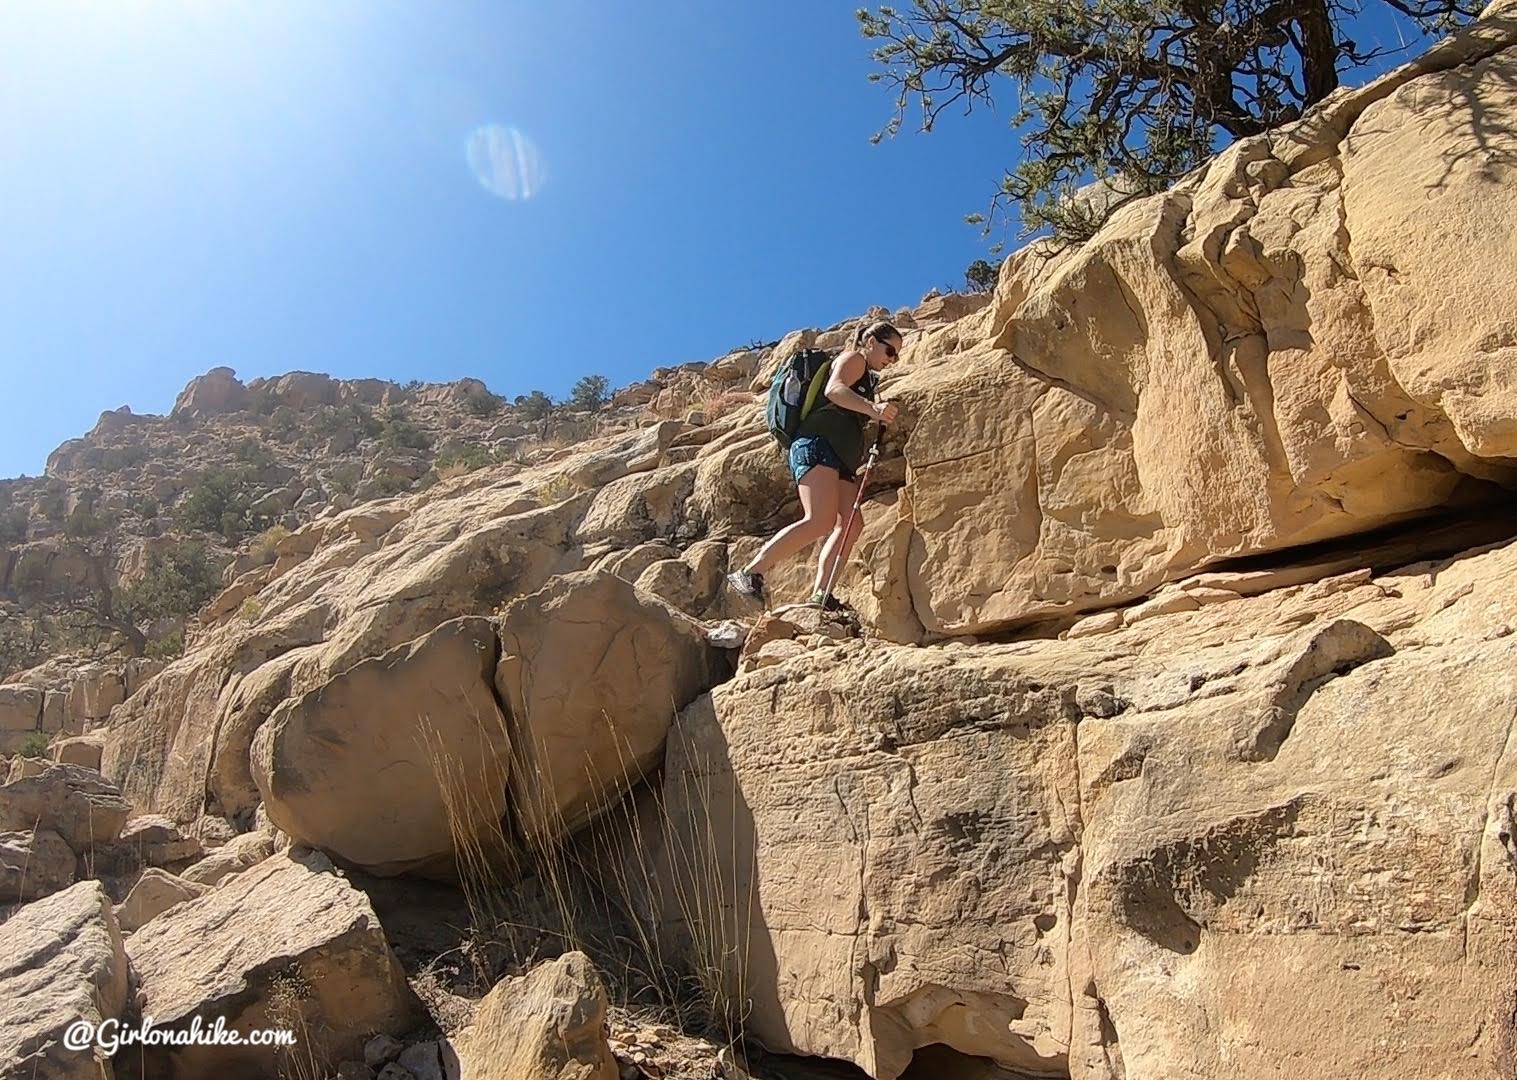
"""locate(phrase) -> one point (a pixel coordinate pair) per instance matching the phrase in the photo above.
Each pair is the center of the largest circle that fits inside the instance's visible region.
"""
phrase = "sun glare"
(505, 161)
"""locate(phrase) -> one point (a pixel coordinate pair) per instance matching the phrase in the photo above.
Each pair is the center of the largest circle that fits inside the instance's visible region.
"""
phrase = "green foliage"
(220, 502)
(83, 523)
(555, 490)
(53, 506)
(147, 507)
(386, 484)
(332, 420)
(483, 404)
(177, 582)
(284, 422)
(1132, 92)
(252, 453)
(589, 394)
(168, 647)
(533, 406)
(35, 744)
(980, 276)
(343, 478)
(404, 435)
(23, 643)
(466, 459)
(264, 547)
(413, 386)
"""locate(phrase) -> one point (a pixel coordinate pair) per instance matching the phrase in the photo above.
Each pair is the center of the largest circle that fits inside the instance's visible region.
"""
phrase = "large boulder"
(78, 803)
(287, 945)
(61, 962)
(546, 1025)
(871, 822)
(1313, 786)
(217, 391)
(20, 708)
(304, 390)
(592, 673)
(1259, 359)
(81, 750)
(233, 857)
(155, 892)
(181, 745)
(94, 693)
(154, 840)
(20, 716)
(33, 864)
(22, 767)
(396, 761)
(638, 508)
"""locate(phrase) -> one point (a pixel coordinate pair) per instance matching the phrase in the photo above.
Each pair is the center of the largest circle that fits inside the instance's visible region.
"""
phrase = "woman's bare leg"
(818, 489)
(838, 546)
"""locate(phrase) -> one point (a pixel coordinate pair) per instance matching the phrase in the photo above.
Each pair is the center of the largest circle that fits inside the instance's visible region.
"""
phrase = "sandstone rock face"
(20, 717)
(286, 945)
(81, 750)
(1226, 368)
(546, 1025)
(1310, 786)
(217, 391)
(33, 864)
(61, 960)
(355, 598)
(392, 762)
(158, 841)
(233, 857)
(155, 892)
(55, 716)
(20, 708)
(1110, 851)
(22, 767)
(78, 803)
(95, 693)
(592, 673)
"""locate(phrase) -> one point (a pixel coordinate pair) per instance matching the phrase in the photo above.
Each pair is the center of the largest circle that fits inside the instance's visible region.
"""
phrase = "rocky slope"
(1173, 739)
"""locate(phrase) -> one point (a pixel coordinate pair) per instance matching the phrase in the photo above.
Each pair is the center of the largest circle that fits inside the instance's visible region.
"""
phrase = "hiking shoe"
(747, 584)
(828, 602)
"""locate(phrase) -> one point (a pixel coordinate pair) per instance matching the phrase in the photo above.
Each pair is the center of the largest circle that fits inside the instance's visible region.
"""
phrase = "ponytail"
(880, 331)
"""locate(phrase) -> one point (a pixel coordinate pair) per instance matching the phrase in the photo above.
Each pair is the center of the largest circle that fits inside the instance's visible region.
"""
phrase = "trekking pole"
(858, 499)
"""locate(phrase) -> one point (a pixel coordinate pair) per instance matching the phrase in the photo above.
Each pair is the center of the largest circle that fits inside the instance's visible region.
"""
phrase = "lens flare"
(505, 161)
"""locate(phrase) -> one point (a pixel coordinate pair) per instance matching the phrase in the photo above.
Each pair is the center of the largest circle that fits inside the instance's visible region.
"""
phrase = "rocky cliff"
(1173, 738)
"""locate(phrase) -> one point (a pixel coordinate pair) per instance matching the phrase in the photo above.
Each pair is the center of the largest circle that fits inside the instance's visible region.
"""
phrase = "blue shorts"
(810, 451)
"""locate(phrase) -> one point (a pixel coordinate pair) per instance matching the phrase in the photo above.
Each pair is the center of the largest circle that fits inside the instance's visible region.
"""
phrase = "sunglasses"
(889, 349)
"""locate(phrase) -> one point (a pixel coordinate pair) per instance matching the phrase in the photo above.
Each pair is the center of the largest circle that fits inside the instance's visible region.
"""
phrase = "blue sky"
(277, 185)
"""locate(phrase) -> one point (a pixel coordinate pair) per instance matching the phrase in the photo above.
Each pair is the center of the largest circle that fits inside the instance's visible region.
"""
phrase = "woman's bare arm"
(847, 370)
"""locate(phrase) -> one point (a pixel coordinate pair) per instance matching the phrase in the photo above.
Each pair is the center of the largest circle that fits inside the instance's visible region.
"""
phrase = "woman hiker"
(824, 458)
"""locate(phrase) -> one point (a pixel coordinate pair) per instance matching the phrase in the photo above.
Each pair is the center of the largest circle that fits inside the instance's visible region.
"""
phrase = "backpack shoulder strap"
(814, 390)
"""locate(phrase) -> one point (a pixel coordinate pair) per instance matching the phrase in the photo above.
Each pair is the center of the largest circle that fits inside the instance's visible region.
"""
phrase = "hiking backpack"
(794, 392)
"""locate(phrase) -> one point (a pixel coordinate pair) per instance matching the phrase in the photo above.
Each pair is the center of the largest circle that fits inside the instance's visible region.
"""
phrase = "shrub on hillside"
(220, 502)
(265, 547)
(533, 406)
(483, 404)
(177, 583)
(405, 435)
(589, 394)
(168, 647)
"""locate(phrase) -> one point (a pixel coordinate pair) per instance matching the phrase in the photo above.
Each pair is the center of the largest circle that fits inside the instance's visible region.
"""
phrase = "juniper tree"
(1135, 92)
